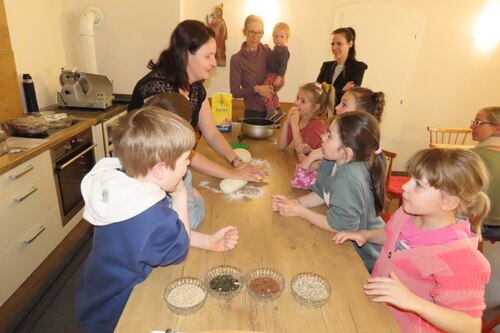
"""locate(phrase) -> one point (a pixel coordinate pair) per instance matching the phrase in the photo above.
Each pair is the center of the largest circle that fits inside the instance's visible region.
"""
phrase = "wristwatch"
(233, 161)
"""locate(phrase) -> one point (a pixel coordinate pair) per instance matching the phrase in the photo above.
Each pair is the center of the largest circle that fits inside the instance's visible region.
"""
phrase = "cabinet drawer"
(28, 172)
(27, 200)
(28, 252)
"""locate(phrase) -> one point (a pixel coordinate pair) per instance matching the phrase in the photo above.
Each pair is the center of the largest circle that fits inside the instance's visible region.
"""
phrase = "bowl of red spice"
(310, 290)
(264, 285)
(224, 282)
(185, 296)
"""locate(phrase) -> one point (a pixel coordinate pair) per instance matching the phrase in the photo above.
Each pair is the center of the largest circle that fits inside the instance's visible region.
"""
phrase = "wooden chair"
(448, 136)
(393, 185)
(489, 327)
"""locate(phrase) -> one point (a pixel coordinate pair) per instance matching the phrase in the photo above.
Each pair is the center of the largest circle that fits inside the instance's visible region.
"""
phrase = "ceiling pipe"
(91, 17)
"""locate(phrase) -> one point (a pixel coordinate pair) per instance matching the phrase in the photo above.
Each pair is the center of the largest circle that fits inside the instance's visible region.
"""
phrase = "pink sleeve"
(311, 134)
(460, 284)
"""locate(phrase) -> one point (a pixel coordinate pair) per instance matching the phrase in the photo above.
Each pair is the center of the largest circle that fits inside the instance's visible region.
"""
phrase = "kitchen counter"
(99, 116)
(9, 161)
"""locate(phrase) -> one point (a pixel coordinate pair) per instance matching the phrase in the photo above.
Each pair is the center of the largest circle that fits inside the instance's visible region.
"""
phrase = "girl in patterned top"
(429, 271)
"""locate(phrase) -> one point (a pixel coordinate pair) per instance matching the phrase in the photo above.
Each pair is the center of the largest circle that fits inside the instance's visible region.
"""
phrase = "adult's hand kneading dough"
(231, 185)
(243, 154)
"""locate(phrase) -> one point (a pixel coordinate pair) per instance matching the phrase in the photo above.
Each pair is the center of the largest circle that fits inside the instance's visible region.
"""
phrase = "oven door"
(69, 174)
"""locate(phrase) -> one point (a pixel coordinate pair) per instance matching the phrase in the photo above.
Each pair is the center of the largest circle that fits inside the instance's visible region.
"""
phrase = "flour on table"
(246, 192)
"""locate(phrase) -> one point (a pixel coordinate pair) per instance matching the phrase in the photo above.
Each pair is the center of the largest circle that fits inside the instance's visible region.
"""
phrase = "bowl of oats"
(185, 296)
(310, 290)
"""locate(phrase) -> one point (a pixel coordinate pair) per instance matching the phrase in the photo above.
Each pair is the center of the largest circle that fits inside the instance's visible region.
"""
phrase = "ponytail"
(360, 131)
(377, 168)
(379, 101)
(477, 211)
(329, 103)
(369, 101)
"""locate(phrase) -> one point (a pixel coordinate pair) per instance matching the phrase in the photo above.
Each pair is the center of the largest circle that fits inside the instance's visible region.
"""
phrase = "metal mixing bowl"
(257, 128)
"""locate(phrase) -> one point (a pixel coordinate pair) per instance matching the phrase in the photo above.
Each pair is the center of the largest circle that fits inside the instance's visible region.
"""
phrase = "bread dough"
(243, 154)
(231, 185)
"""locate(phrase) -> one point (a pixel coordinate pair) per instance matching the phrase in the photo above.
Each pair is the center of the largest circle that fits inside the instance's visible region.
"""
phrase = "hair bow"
(325, 86)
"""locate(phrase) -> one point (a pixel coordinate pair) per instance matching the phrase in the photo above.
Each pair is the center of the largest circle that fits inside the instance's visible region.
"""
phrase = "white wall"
(451, 79)
(45, 38)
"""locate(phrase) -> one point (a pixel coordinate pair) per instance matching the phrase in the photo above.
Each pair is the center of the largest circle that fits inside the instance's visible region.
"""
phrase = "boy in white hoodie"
(136, 228)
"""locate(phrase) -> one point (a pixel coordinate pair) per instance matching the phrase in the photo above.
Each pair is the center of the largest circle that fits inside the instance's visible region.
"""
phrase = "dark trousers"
(254, 114)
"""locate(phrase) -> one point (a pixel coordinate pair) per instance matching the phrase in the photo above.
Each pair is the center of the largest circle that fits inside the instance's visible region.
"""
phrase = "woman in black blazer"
(345, 71)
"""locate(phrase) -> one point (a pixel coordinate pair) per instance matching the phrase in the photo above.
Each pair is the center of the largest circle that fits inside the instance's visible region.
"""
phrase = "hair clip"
(325, 86)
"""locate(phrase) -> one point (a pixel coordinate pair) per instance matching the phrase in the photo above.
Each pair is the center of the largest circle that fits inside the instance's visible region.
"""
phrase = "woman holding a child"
(182, 68)
(247, 69)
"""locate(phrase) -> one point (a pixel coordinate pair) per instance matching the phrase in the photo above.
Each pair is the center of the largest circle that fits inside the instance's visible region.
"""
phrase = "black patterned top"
(156, 82)
(278, 61)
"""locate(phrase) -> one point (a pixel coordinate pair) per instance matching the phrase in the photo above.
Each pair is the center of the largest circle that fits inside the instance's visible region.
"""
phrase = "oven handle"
(65, 165)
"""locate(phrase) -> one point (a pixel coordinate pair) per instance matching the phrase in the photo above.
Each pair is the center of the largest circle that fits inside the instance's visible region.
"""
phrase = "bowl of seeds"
(310, 290)
(224, 282)
(264, 285)
(185, 296)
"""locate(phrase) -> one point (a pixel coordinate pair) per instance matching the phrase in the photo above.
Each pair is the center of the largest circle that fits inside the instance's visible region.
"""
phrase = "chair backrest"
(455, 136)
(389, 156)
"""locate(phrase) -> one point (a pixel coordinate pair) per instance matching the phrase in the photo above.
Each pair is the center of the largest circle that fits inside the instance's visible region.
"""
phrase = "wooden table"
(267, 239)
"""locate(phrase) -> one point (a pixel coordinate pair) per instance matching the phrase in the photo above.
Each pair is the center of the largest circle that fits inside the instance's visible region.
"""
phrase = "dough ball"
(231, 185)
(243, 154)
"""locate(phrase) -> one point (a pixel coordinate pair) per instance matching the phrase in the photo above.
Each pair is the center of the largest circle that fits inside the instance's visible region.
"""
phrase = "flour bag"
(222, 110)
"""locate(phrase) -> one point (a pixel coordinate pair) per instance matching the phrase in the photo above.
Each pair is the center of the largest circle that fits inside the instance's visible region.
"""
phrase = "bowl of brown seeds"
(185, 296)
(264, 285)
(310, 290)
(224, 282)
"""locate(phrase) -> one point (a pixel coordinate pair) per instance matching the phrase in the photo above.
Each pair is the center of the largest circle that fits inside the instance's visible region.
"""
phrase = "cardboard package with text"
(222, 110)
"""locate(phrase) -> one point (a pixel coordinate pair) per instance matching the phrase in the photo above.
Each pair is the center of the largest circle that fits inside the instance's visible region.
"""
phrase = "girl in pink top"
(429, 271)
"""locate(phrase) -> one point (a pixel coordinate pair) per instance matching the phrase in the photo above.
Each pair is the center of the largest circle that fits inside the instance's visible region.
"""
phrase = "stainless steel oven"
(72, 160)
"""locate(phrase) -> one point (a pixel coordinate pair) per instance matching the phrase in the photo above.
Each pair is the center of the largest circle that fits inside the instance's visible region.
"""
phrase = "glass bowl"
(185, 296)
(264, 285)
(224, 282)
(310, 290)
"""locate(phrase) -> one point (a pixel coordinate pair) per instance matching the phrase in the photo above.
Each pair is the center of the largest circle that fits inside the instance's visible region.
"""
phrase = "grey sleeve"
(346, 205)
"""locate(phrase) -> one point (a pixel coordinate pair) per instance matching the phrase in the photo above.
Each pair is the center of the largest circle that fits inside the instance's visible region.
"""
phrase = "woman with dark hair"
(345, 71)
(182, 68)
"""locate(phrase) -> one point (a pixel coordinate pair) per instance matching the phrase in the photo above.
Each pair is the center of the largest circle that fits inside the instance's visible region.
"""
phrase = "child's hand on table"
(356, 236)
(391, 290)
(224, 239)
(285, 206)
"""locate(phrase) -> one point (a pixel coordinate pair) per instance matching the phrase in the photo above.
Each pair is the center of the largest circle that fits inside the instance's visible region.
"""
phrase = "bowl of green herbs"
(224, 282)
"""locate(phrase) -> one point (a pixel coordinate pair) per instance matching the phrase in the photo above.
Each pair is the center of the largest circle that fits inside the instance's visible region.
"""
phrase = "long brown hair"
(188, 36)
(360, 131)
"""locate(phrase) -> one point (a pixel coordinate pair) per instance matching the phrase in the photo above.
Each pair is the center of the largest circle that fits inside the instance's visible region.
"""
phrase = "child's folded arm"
(223, 239)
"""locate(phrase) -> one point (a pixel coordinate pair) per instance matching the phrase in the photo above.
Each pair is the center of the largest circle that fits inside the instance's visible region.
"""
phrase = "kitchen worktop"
(99, 116)
(9, 161)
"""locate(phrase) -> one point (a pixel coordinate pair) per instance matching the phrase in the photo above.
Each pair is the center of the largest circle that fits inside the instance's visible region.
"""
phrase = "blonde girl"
(350, 182)
(430, 272)
(305, 122)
